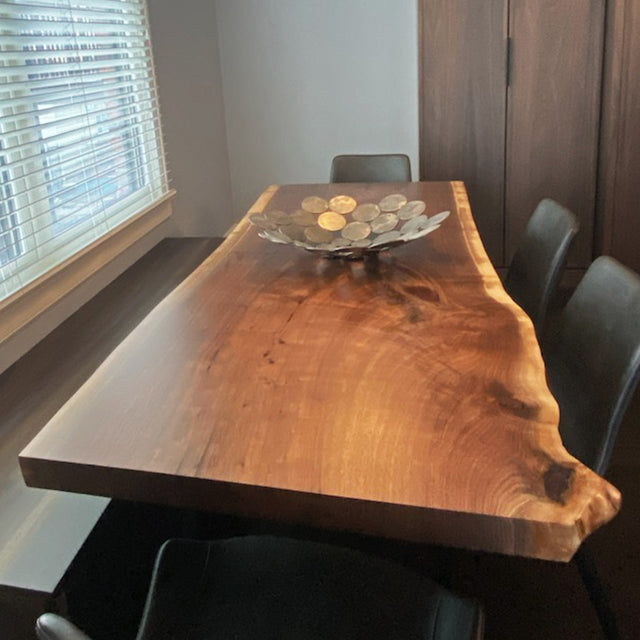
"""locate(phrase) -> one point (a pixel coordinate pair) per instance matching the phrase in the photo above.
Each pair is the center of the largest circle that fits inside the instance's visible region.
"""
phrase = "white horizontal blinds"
(80, 145)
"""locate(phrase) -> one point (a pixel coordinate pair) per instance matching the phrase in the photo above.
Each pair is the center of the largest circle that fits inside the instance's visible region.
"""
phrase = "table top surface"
(401, 396)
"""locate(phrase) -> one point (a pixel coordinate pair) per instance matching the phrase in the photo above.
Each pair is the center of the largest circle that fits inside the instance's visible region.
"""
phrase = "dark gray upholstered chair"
(593, 368)
(390, 167)
(262, 587)
(537, 265)
(594, 363)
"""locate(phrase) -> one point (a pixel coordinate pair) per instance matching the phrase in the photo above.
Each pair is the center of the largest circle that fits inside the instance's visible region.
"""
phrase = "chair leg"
(597, 593)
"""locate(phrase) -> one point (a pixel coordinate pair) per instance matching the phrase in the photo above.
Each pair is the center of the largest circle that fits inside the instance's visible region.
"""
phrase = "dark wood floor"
(523, 599)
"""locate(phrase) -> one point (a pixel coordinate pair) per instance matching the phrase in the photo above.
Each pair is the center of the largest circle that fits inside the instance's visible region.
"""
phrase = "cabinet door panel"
(620, 176)
(462, 105)
(553, 113)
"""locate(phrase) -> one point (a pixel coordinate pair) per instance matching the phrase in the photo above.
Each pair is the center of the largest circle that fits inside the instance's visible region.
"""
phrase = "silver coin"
(416, 224)
(439, 217)
(411, 209)
(314, 204)
(331, 221)
(356, 231)
(318, 235)
(260, 220)
(294, 231)
(340, 243)
(392, 202)
(342, 204)
(366, 212)
(361, 244)
(421, 226)
(275, 236)
(311, 247)
(277, 216)
(303, 218)
(385, 222)
(421, 233)
(389, 236)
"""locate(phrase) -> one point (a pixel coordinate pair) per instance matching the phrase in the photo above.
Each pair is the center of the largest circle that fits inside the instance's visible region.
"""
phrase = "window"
(80, 145)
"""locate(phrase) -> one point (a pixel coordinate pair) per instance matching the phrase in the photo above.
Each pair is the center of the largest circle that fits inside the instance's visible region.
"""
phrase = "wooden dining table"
(402, 394)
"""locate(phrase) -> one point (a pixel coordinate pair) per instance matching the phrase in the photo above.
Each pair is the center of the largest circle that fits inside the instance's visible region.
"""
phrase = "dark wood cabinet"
(553, 113)
(511, 103)
(618, 222)
(463, 63)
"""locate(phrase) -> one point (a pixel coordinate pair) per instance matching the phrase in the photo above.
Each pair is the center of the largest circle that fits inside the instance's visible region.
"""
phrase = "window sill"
(30, 305)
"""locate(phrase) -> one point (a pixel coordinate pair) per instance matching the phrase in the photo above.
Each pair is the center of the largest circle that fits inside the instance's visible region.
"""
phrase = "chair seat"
(267, 587)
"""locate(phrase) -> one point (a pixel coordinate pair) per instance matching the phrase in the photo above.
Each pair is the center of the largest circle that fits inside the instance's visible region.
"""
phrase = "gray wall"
(256, 92)
(185, 49)
(304, 80)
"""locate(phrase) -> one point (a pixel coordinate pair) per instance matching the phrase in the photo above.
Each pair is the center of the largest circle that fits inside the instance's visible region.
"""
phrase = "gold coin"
(392, 202)
(342, 204)
(411, 209)
(303, 218)
(314, 204)
(317, 235)
(331, 221)
(385, 222)
(260, 220)
(366, 212)
(356, 231)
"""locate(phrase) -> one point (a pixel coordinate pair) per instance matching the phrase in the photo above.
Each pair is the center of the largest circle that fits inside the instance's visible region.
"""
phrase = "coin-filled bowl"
(343, 227)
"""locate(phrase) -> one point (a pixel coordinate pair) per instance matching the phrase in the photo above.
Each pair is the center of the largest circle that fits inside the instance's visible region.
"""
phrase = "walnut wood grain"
(404, 396)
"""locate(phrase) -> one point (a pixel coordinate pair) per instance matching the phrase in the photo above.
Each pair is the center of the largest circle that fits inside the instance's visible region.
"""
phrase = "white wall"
(256, 92)
(185, 49)
(304, 80)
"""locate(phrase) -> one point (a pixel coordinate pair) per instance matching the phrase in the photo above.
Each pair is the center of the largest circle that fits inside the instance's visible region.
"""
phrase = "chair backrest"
(537, 265)
(390, 167)
(594, 364)
(268, 587)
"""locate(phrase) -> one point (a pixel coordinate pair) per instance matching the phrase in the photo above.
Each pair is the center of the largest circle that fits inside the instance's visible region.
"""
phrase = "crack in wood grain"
(557, 482)
(423, 292)
(506, 400)
(395, 297)
(414, 315)
(213, 359)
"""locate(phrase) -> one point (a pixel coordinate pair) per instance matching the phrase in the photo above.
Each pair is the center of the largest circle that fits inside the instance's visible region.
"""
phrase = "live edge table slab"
(403, 396)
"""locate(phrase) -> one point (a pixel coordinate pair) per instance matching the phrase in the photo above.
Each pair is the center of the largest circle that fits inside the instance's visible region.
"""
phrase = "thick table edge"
(468, 530)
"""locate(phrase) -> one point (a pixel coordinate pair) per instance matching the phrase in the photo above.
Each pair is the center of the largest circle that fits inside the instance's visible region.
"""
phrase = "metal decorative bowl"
(342, 227)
